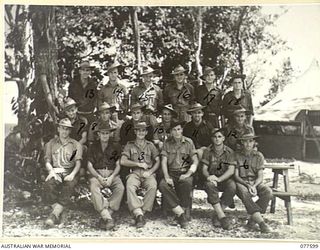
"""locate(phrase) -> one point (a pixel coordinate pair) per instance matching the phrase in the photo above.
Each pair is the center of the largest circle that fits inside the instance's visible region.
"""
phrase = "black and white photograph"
(162, 122)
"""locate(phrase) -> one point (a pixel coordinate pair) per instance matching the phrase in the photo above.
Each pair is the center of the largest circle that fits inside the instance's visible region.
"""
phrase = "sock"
(178, 210)
(136, 212)
(105, 214)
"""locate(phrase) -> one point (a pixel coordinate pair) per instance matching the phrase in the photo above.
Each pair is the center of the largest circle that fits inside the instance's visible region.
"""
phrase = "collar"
(68, 140)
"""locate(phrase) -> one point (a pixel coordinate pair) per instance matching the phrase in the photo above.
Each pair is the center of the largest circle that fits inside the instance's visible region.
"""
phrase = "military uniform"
(180, 99)
(62, 158)
(218, 165)
(85, 97)
(248, 166)
(114, 95)
(150, 97)
(200, 135)
(212, 101)
(93, 129)
(230, 101)
(179, 157)
(104, 162)
(135, 179)
(234, 132)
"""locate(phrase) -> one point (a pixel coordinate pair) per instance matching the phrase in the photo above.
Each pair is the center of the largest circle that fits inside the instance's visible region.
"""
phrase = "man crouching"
(104, 167)
(62, 160)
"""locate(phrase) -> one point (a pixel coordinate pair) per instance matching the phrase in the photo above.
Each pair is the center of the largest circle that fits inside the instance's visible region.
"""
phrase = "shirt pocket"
(134, 155)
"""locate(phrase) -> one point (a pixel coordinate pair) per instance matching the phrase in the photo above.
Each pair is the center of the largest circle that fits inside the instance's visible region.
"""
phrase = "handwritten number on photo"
(195, 133)
(207, 97)
(186, 160)
(235, 102)
(141, 157)
(90, 93)
(221, 165)
(185, 94)
(232, 133)
(245, 165)
(82, 124)
(73, 155)
(94, 125)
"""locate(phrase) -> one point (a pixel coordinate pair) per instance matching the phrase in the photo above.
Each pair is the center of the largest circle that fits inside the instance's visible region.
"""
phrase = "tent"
(304, 94)
(289, 124)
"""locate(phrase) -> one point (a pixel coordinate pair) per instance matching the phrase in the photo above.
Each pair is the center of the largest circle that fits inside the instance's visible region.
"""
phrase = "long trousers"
(99, 202)
(228, 187)
(264, 194)
(136, 180)
(180, 194)
(57, 192)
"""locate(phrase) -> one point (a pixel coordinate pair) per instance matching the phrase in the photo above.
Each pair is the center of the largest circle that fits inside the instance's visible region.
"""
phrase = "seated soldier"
(237, 128)
(218, 169)
(162, 130)
(104, 112)
(62, 160)
(179, 163)
(104, 167)
(142, 157)
(249, 181)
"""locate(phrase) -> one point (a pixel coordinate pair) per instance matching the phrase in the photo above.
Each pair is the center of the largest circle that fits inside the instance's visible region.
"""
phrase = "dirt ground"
(25, 217)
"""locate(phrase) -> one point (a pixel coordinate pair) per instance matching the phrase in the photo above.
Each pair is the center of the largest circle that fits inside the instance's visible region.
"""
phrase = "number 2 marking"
(82, 124)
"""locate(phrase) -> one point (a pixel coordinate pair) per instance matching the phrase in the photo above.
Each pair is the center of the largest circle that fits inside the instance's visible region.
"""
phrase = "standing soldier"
(180, 94)
(142, 157)
(114, 92)
(179, 163)
(218, 169)
(249, 181)
(104, 167)
(237, 128)
(237, 96)
(210, 96)
(147, 93)
(62, 161)
(84, 91)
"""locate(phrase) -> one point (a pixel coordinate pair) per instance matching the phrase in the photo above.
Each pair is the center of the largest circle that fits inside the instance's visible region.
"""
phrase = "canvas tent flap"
(304, 93)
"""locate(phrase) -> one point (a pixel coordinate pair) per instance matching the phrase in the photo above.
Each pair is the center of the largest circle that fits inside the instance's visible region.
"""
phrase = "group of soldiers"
(172, 140)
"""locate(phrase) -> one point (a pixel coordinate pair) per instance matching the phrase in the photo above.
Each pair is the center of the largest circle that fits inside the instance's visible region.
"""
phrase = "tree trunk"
(238, 38)
(136, 33)
(46, 57)
(198, 36)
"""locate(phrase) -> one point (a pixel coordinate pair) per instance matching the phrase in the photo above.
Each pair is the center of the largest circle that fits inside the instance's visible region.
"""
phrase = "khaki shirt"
(113, 95)
(179, 155)
(249, 165)
(146, 154)
(218, 165)
(63, 156)
(150, 97)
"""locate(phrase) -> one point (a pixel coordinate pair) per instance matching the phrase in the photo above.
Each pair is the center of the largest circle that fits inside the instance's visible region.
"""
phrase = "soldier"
(179, 163)
(127, 129)
(83, 90)
(142, 157)
(210, 96)
(104, 113)
(79, 123)
(180, 94)
(147, 93)
(62, 161)
(237, 128)
(218, 169)
(162, 130)
(237, 96)
(198, 129)
(249, 181)
(104, 168)
(114, 92)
